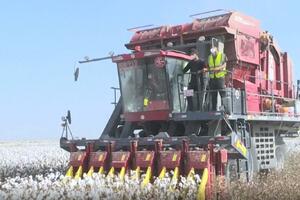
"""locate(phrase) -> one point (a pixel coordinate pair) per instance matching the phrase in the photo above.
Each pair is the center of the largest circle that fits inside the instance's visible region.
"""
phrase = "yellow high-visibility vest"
(212, 63)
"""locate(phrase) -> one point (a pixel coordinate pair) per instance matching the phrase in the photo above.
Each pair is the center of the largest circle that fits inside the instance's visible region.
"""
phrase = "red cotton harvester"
(153, 130)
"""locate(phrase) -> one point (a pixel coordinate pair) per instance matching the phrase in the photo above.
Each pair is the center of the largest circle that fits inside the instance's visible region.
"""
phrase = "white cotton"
(35, 170)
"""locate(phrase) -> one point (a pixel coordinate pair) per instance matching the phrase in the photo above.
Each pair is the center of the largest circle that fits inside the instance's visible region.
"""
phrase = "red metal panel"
(128, 63)
(234, 20)
(247, 49)
(288, 76)
(77, 158)
(221, 160)
(187, 28)
(144, 159)
(146, 34)
(197, 160)
(291, 88)
(120, 159)
(278, 72)
(98, 159)
(251, 87)
(245, 24)
(240, 73)
(176, 55)
(169, 159)
(138, 55)
(165, 32)
(211, 22)
(253, 103)
(136, 36)
(224, 156)
(147, 116)
(285, 73)
(157, 105)
(253, 100)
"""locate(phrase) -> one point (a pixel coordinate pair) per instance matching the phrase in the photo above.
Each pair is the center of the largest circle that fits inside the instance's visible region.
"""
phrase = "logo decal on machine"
(174, 157)
(100, 158)
(160, 62)
(148, 157)
(239, 145)
(203, 158)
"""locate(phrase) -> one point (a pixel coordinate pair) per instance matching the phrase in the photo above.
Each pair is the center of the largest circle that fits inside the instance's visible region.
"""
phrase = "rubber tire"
(231, 173)
(280, 156)
(250, 166)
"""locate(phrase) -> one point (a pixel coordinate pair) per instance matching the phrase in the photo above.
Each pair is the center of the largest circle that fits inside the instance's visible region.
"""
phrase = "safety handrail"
(270, 91)
(260, 93)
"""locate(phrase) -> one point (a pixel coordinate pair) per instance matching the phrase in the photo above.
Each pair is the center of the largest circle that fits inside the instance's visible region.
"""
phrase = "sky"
(40, 41)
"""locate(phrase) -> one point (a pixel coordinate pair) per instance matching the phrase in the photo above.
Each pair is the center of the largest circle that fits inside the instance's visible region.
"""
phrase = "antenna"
(134, 29)
(211, 11)
(66, 128)
(88, 60)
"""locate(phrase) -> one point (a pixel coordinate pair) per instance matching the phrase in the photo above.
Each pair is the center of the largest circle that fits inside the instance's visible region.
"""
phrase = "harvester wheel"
(280, 156)
(250, 168)
(231, 170)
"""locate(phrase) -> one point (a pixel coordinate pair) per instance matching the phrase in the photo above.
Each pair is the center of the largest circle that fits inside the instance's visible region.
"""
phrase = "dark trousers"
(191, 104)
(194, 85)
(216, 84)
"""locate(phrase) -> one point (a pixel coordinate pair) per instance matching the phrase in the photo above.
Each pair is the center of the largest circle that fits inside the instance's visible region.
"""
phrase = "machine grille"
(265, 147)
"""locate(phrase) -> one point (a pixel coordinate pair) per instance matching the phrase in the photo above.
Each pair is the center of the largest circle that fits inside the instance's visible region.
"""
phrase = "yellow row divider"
(70, 172)
(202, 185)
(122, 173)
(147, 177)
(162, 173)
(101, 170)
(91, 171)
(137, 173)
(111, 172)
(175, 175)
(191, 174)
(78, 173)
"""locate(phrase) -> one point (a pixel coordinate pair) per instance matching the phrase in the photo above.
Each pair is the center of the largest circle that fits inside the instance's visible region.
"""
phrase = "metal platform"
(217, 115)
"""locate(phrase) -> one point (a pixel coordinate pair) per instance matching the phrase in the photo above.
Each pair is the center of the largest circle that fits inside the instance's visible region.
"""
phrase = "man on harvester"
(196, 67)
(217, 72)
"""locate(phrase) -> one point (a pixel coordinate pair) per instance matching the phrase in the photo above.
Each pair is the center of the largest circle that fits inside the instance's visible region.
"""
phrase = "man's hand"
(220, 68)
(202, 71)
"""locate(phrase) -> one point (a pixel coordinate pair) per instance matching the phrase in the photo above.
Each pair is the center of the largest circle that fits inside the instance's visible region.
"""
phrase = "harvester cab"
(152, 83)
(152, 130)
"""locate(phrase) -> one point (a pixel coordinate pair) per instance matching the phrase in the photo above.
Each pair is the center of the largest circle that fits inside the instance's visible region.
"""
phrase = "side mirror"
(68, 117)
(298, 89)
(76, 74)
(214, 42)
(201, 38)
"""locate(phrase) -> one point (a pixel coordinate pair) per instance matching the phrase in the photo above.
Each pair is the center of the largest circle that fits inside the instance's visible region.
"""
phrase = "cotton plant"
(53, 186)
(31, 158)
(35, 170)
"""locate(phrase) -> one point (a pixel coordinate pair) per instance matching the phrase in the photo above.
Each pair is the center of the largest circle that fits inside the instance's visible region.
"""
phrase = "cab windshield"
(153, 83)
(143, 85)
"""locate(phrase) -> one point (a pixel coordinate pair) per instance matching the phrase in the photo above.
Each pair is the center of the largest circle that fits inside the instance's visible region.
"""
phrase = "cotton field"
(24, 158)
(35, 170)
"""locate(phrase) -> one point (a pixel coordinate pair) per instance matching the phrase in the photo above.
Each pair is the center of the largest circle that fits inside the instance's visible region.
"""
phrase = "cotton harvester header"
(151, 129)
